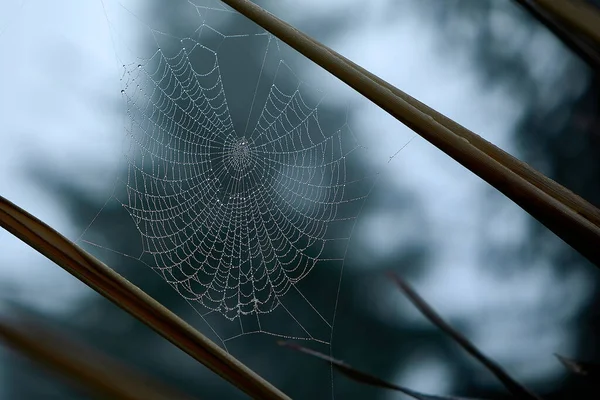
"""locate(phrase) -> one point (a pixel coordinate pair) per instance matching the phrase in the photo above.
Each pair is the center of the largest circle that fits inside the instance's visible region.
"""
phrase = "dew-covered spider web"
(242, 185)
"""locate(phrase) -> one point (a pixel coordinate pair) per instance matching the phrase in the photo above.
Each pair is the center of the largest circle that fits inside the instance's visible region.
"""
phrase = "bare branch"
(363, 377)
(512, 385)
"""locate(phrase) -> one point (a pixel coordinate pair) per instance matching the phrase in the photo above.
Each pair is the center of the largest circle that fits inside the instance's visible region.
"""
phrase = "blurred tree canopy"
(558, 137)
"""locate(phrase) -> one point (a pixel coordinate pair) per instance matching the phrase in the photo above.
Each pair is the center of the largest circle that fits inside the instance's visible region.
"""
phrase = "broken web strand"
(233, 222)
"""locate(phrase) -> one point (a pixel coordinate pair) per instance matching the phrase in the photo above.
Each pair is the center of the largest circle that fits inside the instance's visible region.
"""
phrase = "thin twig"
(579, 45)
(587, 369)
(129, 297)
(567, 215)
(100, 374)
(512, 385)
(364, 378)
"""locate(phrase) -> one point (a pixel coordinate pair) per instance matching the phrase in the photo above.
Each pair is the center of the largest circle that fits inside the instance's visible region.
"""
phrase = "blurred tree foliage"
(560, 138)
(558, 134)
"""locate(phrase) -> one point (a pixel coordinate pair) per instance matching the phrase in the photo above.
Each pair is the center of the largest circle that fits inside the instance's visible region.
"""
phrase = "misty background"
(519, 293)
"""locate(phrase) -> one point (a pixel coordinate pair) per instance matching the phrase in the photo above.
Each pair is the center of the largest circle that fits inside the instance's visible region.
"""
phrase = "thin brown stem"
(524, 170)
(511, 384)
(130, 298)
(100, 374)
(567, 215)
(364, 378)
(581, 17)
(582, 47)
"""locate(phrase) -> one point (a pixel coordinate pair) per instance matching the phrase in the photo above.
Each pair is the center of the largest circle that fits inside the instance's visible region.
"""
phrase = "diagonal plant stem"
(524, 170)
(580, 45)
(587, 369)
(364, 378)
(580, 16)
(512, 385)
(100, 374)
(129, 297)
(567, 215)
(520, 168)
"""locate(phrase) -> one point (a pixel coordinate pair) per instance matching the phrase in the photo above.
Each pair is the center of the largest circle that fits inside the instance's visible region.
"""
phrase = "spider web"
(239, 201)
